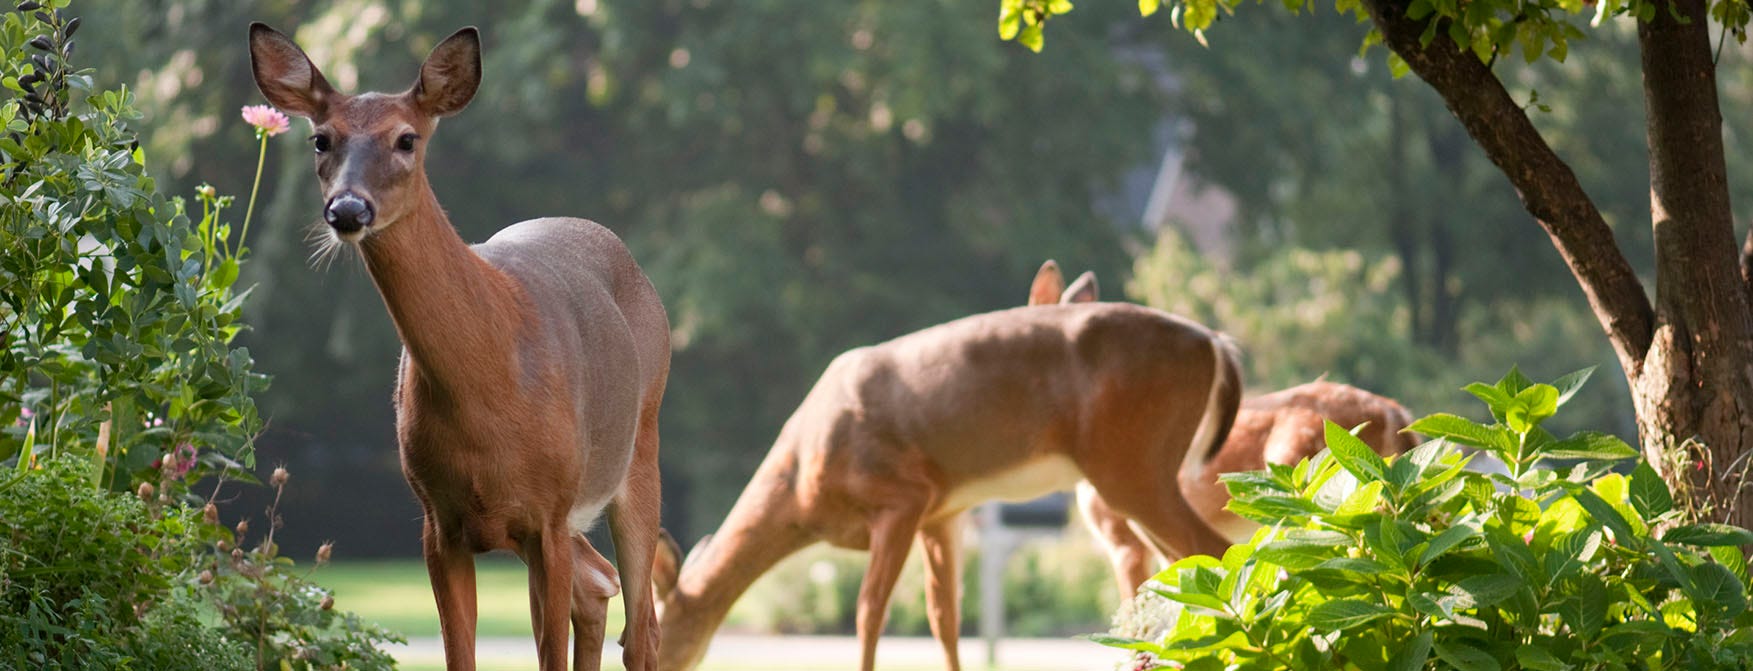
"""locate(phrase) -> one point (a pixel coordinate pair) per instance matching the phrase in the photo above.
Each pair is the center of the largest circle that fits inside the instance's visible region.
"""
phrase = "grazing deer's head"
(370, 148)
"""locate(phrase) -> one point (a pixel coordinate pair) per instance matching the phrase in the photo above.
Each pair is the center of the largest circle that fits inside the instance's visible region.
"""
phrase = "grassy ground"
(396, 594)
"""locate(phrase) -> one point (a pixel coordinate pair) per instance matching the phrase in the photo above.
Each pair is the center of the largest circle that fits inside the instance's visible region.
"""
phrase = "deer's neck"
(457, 315)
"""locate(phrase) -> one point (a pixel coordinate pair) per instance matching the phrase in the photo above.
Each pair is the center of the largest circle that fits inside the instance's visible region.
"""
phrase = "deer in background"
(532, 366)
(897, 440)
(1282, 427)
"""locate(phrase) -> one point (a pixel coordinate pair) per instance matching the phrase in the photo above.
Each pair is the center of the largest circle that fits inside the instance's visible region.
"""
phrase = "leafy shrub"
(78, 568)
(288, 621)
(115, 307)
(1415, 563)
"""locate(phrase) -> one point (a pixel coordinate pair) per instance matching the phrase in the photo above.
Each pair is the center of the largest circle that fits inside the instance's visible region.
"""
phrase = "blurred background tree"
(799, 178)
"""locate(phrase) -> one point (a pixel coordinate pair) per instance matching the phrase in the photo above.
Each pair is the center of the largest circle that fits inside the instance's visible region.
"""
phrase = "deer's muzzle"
(348, 213)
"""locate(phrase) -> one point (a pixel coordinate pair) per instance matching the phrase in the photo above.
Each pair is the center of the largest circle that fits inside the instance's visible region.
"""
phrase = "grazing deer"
(532, 365)
(1281, 428)
(897, 440)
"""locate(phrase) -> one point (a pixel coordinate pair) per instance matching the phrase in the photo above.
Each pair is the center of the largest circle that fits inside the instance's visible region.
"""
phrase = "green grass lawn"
(397, 595)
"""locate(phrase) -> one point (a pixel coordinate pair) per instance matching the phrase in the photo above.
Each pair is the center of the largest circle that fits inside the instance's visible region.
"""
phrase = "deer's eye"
(320, 143)
(406, 142)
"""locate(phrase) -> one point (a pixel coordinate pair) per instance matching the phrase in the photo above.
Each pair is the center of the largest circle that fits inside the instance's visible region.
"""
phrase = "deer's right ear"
(1082, 290)
(450, 75)
(666, 564)
(285, 75)
(1047, 285)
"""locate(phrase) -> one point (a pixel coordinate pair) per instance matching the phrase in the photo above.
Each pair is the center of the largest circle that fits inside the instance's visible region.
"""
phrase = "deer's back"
(1000, 391)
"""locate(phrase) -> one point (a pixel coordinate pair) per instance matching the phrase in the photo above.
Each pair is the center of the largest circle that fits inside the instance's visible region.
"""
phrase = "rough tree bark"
(1689, 357)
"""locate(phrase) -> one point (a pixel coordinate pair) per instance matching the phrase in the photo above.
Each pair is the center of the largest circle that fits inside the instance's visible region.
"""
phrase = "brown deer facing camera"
(897, 440)
(532, 365)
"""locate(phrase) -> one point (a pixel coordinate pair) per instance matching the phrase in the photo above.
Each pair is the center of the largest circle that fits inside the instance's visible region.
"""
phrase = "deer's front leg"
(452, 570)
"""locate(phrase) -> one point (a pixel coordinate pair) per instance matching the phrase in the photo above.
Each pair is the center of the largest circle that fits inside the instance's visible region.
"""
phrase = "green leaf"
(1719, 588)
(1588, 445)
(1304, 549)
(1649, 494)
(1010, 21)
(1708, 533)
(1148, 7)
(1536, 658)
(1448, 540)
(1058, 6)
(1514, 382)
(1585, 608)
(1365, 500)
(1464, 431)
(1342, 614)
(1413, 656)
(1354, 455)
(1495, 399)
(1604, 513)
(1466, 657)
(1569, 385)
(1531, 406)
(1487, 590)
(1125, 643)
(1031, 37)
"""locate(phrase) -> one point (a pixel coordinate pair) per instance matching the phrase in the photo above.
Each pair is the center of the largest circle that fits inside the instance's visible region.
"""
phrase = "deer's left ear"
(285, 75)
(450, 75)
(1082, 290)
(1047, 285)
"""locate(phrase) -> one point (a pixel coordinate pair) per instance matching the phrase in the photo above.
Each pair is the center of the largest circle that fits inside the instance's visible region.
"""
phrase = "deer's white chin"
(354, 236)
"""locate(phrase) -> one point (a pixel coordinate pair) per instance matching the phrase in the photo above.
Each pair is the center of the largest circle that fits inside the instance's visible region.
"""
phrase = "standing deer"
(532, 366)
(1282, 427)
(897, 440)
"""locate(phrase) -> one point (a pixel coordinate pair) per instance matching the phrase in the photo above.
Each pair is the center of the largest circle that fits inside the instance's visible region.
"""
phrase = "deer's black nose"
(348, 213)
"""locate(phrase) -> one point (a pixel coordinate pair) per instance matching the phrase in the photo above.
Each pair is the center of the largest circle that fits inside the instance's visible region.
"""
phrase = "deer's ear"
(666, 564)
(1082, 290)
(1047, 285)
(450, 75)
(285, 75)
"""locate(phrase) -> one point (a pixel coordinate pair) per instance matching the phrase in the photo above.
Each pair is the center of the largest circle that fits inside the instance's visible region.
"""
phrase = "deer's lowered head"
(370, 148)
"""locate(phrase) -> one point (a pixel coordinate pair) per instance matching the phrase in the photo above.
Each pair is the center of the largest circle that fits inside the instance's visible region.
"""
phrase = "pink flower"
(179, 461)
(26, 413)
(267, 120)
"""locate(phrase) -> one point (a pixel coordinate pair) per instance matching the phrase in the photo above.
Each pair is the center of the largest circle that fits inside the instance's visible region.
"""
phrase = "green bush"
(116, 309)
(79, 567)
(1415, 563)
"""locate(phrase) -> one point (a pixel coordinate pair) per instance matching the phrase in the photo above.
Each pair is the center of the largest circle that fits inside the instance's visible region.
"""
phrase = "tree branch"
(1548, 188)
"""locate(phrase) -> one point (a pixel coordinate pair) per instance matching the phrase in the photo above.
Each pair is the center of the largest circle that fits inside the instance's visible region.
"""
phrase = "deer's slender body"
(532, 371)
(898, 439)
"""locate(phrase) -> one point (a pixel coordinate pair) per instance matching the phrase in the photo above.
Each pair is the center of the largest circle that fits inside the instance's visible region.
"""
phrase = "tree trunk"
(1697, 380)
(1688, 358)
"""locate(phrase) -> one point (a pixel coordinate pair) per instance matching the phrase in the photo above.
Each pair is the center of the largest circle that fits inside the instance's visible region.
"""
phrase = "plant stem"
(261, 158)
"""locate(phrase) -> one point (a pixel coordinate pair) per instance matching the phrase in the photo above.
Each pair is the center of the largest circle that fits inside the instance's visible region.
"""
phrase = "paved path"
(798, 653)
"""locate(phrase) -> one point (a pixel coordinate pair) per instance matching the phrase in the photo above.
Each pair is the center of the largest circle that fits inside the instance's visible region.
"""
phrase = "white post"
(995, 546)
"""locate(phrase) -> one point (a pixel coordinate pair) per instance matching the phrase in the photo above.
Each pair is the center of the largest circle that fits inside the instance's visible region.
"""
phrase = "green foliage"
(1415, 563)
(1542, 29)
(288, 621)
(78, 568)
(116, 309)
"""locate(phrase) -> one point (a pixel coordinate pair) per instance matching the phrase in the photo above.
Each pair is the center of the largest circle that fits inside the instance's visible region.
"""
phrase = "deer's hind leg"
(593, 583)
(633, 521)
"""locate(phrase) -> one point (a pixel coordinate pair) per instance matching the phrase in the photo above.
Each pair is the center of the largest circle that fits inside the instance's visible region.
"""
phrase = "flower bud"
(243, 527)
(210, 513)
(224, 546)
(323, 552)
(206, 191)
(146, 491)
(279, 477)
(328, 602)
(206, 577)
(237, 554)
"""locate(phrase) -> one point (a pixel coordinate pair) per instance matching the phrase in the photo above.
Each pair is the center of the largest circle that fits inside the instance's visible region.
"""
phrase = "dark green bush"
(79, 566)
(1415, 563)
